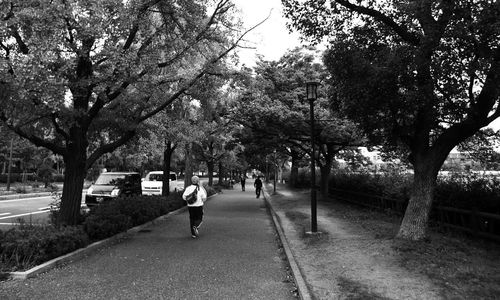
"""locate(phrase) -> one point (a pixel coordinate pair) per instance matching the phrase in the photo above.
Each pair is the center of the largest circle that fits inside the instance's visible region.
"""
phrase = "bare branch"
(32, 138)
(108, 148)
(401, 30)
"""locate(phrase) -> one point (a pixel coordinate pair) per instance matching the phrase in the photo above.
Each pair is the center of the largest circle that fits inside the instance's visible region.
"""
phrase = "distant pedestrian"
(243, 178)
(196, 207)
(258, 186)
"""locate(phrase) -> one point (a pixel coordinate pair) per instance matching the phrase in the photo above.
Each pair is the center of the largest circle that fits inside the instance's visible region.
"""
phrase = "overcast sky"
(270, 39)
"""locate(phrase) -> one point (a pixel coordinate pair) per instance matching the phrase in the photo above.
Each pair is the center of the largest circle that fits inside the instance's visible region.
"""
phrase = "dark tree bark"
(167, 158)
(75, 159)
(210, 164)
(189, 165)
(294, 171)
(328, 151)
(221, 172)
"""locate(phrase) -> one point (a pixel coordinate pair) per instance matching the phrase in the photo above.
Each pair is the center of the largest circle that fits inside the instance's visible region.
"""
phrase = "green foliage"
(82, 76)
(25, 246)
(106, 223)
(465, 191)
(390, 184)
(212, 190)
(17, 177)
(122, 213)
(469, 191)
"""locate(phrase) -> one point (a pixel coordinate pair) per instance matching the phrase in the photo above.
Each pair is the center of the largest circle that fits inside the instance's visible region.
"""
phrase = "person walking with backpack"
(195, 195)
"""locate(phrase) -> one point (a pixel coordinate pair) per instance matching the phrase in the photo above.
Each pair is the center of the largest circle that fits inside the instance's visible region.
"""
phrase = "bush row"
(465, 191)
(18, 177)
(25, 246)
(112, 217)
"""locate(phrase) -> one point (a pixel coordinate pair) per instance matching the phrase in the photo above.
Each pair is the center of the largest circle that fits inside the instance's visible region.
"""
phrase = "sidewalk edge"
(297, 274)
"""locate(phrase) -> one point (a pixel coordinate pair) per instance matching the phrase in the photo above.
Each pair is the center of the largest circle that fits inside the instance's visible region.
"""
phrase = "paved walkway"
(235, 257)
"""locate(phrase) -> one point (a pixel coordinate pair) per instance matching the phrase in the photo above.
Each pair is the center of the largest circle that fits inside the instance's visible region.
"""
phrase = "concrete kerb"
(80, 253)
(299, 279)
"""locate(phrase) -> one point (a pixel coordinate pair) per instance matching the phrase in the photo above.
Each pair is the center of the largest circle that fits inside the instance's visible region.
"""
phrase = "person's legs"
(192, 220)
(257, 192)
(195, 218)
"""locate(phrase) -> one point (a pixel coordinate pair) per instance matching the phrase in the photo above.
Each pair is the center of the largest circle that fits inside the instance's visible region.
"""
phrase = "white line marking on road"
(44, 208)
(23, 199)
(4, 214)
(22, 215)
(15, 224)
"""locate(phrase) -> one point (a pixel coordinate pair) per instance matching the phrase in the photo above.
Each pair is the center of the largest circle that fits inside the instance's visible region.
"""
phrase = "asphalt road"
(236, 257)
(32, 210)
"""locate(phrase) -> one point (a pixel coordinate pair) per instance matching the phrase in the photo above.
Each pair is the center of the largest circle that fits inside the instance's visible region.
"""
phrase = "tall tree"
(420, 75)
(81, 76)
(277, 110)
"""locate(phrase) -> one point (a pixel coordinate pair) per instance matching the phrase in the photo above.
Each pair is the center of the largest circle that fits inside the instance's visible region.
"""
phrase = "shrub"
(18, 177)
(466, 191)
(21, 190)
(23, 247)
(103, 225)
(122, 213)
(469, 191)
(211, 190)
(58, 178)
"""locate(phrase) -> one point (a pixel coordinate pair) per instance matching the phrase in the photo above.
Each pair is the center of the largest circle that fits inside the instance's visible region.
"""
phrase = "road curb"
(81, 253)
(297, 274)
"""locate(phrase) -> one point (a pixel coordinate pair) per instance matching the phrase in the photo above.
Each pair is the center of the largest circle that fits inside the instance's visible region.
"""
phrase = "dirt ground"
(357, 257)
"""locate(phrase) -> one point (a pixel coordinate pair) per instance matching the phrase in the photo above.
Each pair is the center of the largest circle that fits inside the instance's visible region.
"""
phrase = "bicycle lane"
(235, 257)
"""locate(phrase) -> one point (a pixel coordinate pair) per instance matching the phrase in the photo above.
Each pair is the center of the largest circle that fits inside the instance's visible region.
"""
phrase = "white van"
(153, 182)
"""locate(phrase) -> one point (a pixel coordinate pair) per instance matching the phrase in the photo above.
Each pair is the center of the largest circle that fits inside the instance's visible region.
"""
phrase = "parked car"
(152, 184)
(111, 185)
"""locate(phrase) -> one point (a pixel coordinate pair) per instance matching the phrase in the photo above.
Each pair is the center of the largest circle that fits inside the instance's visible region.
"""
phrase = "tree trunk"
(72, 189)
(189, 166)
(415, 220)
(210, 167)
(324, 180)
(167, 157)
(294, 171)
(325, 170)
(221, 173)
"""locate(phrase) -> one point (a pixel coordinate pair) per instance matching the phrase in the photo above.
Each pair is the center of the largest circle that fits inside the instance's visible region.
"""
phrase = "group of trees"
(81, 77)
(419, 77)
(277, 117)
(413, 78)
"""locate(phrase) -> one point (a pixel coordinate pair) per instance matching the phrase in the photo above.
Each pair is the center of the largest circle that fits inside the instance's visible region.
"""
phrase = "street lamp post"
(312, 95)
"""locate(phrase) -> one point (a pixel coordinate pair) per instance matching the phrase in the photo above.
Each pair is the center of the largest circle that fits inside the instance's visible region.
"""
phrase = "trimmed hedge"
(17, 177)
(118, 215)
(25, 246)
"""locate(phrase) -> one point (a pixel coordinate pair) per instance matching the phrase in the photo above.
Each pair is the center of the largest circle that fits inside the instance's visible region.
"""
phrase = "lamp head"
(312, 90)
